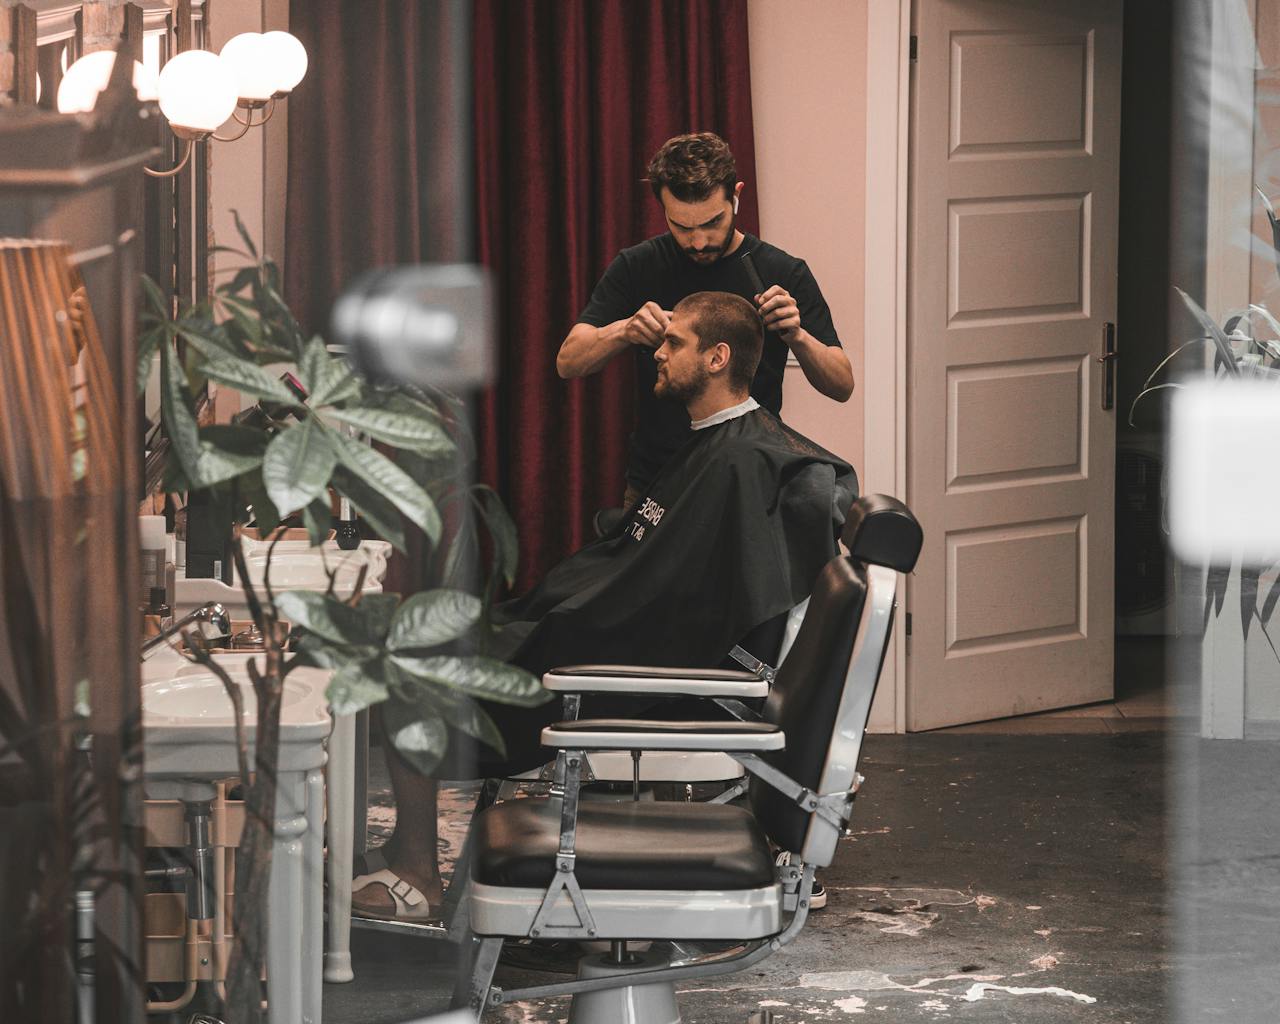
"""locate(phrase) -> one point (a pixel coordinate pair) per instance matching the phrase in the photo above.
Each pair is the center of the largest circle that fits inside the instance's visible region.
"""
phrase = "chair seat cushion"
(624, 845)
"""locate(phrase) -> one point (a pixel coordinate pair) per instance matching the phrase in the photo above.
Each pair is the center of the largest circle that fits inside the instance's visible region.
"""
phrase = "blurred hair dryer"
(429, 325)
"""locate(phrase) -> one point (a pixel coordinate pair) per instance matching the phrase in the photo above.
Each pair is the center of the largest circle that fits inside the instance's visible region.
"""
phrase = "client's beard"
(683, 391)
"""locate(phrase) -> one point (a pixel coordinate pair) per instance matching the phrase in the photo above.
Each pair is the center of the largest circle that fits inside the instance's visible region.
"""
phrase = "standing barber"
(695, 180)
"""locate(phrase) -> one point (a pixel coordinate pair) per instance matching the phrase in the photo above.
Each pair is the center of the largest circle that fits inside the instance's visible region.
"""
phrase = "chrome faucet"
(213, 619)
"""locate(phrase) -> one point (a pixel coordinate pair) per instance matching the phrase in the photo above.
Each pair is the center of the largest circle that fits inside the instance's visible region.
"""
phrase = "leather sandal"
(410, 903)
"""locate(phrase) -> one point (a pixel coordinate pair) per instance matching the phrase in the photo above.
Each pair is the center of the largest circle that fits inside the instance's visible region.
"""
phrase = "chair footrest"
(635, 914)
(648, 680)
(646, 734)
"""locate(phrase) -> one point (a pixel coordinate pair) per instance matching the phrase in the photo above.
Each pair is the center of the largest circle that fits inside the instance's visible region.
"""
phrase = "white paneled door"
(1014, 188)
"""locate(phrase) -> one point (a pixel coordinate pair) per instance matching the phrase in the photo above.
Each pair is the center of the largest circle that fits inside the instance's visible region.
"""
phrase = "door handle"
(1108, 361)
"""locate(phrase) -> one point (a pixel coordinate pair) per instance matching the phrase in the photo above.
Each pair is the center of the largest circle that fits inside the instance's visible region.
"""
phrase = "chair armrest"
(629, 734)
(652, 681)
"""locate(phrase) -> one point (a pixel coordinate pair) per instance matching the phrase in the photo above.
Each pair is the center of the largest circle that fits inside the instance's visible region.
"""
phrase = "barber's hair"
(692, 167)
(723, 316)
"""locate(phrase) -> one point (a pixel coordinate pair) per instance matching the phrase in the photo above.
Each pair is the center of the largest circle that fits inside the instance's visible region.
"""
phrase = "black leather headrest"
(881, 530)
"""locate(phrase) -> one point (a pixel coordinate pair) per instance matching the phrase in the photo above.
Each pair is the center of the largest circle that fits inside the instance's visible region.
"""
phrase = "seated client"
(728, 536)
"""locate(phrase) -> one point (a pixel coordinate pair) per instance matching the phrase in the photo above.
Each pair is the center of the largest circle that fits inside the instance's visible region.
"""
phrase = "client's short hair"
(723, 316)
(692, 167)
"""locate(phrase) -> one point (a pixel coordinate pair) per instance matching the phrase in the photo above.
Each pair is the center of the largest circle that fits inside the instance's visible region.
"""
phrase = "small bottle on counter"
(347, 531)
(156, 615)
(180, 540)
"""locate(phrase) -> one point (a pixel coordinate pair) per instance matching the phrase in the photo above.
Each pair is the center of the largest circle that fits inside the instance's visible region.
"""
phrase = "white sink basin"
(294, 566)
(188, 720)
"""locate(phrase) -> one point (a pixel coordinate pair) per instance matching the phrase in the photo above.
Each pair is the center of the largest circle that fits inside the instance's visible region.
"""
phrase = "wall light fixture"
(199, 90)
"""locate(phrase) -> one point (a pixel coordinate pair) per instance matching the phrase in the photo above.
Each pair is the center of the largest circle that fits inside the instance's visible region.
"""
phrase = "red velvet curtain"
(353, 187)
(572, 98)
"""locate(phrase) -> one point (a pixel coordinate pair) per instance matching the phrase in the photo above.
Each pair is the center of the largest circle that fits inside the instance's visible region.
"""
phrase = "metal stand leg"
(477, 960)
(341, 805)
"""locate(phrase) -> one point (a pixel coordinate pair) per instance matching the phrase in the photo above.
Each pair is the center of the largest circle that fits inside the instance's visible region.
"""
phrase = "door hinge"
(908, 623)
(914, 49)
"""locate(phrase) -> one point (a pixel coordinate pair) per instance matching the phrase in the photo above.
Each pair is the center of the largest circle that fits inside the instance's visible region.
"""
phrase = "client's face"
(682, 369)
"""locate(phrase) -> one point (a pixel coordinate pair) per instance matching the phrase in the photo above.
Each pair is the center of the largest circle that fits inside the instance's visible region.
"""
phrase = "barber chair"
(727, 687)
(551, 867)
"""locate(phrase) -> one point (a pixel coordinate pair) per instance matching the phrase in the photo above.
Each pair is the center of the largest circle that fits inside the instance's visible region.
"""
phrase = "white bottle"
(154, 545)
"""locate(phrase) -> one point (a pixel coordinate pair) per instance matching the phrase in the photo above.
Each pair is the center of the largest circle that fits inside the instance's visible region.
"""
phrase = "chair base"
(633, 1004)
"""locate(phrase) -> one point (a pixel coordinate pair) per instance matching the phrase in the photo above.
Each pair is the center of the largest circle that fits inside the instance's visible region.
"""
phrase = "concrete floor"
(1099, 865)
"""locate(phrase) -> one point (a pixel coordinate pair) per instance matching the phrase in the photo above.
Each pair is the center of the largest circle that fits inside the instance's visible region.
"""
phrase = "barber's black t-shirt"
(657, 271)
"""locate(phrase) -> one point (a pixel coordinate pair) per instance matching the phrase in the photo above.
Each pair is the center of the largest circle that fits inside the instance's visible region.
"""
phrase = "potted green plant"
(1237, 348)
(424, 658)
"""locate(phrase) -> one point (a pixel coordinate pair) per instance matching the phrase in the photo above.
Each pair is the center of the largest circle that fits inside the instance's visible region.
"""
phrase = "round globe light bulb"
(197, 91)
(248, 56)
(287, 55)
(86, 78)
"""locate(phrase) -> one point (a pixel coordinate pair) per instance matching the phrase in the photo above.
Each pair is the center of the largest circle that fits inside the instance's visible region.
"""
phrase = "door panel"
(1013, 213)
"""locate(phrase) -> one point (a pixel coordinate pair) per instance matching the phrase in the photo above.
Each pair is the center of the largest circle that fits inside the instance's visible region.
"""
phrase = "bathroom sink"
(295, 565)
(188, 720)
(305, 570)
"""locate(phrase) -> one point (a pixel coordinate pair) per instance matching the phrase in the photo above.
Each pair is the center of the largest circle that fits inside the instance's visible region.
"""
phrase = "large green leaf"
(378, 611)
(471, 719)
(209, 339)
(325, 616)
(317, 518)
(228, 451)
(235, 438)
(327, 380)
(217, 465)
(459, 562)
(377, 511)
(431, 618)
(179, 420)
(415, 732)
(506, 544)
(414, 433)
(298, 464)
(458, 710)
(248, 379)
(245, 318)
(316, 650)
(389, 480)
(357, 685)
(376, 396)
(477, 677)
(265, 514)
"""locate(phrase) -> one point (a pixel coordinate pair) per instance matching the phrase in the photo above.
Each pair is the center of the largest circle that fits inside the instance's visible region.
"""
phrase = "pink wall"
(808, 94)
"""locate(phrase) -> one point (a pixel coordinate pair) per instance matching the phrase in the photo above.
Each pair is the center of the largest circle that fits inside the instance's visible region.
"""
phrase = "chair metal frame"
(829, 808)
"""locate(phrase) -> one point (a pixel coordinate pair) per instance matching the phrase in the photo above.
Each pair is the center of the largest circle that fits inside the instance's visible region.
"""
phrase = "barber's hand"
(780, 312)
(647, 326)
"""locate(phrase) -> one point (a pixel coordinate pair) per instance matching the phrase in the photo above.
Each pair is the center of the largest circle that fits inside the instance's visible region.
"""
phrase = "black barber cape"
(732, 532)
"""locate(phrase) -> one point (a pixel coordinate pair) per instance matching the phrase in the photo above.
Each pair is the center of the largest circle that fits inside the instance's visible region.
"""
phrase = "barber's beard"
(719, 250)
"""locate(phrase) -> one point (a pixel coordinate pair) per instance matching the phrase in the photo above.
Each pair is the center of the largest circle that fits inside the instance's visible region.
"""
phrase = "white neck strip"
(724, 415)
